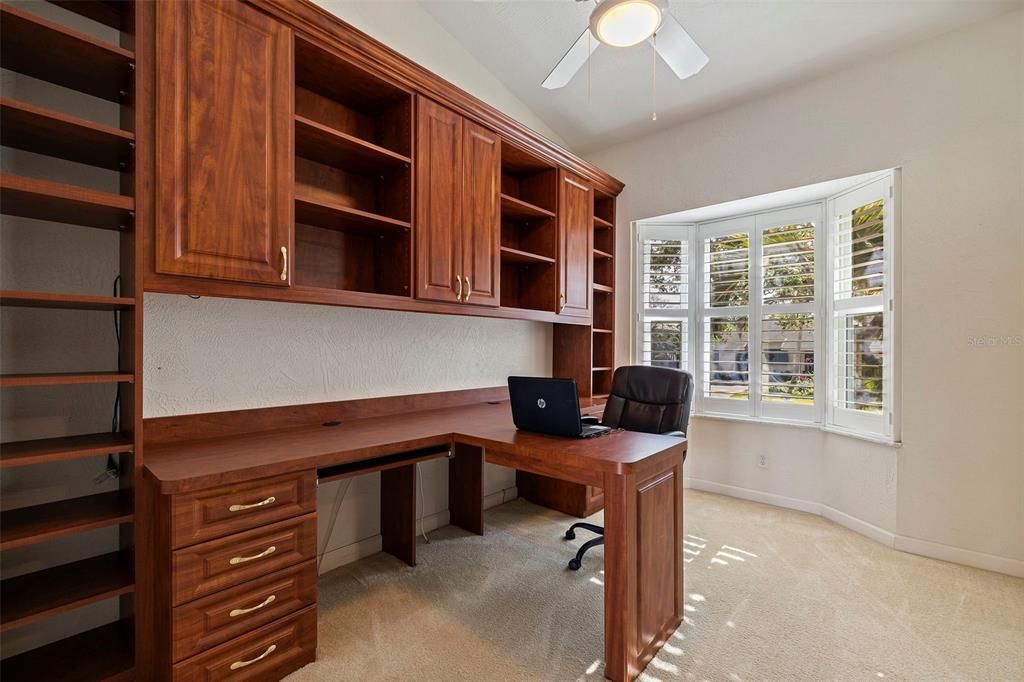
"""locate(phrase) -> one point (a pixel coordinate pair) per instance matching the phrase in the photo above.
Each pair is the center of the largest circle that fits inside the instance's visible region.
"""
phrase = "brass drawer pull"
(284, 266)
(458, 288)
(243, 507)
(469, 290)
(241, 612)
(241, 664)
(242, 559)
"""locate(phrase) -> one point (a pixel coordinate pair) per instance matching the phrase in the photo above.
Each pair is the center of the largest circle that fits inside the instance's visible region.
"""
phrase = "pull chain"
(654, 77)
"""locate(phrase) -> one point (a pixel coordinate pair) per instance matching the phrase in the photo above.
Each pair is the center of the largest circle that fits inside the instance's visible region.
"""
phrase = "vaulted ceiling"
(755, 48)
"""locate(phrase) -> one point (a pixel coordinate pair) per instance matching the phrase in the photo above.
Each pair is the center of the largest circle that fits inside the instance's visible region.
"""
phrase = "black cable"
(115, 420)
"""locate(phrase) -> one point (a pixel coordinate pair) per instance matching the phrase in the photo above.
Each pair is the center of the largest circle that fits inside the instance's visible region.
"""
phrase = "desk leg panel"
(398, 512)
(466, 488)
(643, 569)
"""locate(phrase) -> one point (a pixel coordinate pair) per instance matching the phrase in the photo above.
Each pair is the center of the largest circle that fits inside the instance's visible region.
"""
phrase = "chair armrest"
(589, 419)
(675, 434)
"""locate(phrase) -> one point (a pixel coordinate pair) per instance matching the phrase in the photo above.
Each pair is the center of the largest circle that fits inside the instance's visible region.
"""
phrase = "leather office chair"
(643, 398)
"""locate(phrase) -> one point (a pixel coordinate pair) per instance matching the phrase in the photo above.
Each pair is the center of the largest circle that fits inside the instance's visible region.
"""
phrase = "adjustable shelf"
(104, 653)
(514, 208)
(598, 253)
(42, 49)
(603, 331)
(44, 299)
(312, 208)
(112, 13)
(45, 450)
(43, 200)
(43, 131)
(64, 379)
(510, 255)
(331, 147)
(602, 224)
(603, 289)
(32, 597)
(38, 523)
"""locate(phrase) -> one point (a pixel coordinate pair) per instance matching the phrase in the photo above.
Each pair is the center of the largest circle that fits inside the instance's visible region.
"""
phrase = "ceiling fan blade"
(678, 49)
(572, 61)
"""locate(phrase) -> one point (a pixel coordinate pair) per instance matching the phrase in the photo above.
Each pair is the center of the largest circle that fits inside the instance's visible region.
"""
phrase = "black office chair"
(643, 398)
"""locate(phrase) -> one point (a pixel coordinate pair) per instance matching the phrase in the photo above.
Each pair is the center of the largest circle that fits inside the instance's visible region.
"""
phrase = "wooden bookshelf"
(47, 450)
(44, 200)
(510, 255)
(48, 132)
(514, 208)
(32, 597)
(319, 210)
(331, 147)
(103, 653)
(48, 51)
(45, 299)
(38, 523)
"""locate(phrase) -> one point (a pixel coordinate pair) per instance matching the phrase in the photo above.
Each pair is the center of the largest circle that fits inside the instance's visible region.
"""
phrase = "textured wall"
(950, 113)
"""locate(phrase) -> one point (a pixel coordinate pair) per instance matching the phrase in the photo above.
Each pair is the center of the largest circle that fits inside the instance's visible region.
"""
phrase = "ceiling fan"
(622, 23)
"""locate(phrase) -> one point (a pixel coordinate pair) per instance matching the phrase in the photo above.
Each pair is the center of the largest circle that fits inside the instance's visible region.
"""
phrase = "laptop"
(549, 406)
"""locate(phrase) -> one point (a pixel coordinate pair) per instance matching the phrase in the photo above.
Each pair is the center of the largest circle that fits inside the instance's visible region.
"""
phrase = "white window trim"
(756, 410)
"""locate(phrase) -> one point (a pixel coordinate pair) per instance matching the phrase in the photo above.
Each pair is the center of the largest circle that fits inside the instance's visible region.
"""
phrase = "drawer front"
(233, 612)
(221, 511)
(269, 653)
(215, 565)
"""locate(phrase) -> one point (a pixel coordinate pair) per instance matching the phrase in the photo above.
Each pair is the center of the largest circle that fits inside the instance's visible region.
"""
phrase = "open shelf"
(43, 131)
(45, 450)
(598, 253)
(602, 369)
(43, 200)
(30, 525)
(602, 224)
(604, 210)
(603, 331)
(42, 49)
(112, 13)
(314, 208)
(510, 255)
(331, 147)
(514, 208)
(104, 653)
(44, 299)
(32, 597)
(603, 289)
(353, 259)
(63, 379)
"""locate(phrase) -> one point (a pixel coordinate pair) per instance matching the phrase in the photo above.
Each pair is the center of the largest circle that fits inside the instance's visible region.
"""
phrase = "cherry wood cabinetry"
(301, 160)
(223, 140)
(576, 243)
(458, 216)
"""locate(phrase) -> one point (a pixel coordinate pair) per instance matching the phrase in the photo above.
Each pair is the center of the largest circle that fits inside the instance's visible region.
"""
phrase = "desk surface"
(193, 465)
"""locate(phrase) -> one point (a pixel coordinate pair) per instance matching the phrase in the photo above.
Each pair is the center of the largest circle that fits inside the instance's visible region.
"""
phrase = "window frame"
(696, 312)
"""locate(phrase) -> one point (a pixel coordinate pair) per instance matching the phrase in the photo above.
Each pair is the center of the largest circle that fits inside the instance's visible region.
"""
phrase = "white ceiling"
(755, 47)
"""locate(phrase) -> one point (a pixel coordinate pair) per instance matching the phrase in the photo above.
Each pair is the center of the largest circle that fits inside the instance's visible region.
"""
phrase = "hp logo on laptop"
(541, 403)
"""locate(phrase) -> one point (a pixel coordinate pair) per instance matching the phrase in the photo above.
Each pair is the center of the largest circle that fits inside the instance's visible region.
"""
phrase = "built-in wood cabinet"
(575, 245)
(223, 142)
(297, 159)
(457, 221)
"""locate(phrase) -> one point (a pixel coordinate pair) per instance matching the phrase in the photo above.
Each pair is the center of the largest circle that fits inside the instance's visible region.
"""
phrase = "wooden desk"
(190, 484)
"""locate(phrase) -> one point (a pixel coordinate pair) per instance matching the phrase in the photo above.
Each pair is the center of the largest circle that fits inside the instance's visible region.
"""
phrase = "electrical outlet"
(762, 461)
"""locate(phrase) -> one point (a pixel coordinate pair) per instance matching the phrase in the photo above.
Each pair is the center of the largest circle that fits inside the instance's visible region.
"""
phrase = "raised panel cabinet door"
(439, 155)
(224, 161)
(481, 223)
(575, 244)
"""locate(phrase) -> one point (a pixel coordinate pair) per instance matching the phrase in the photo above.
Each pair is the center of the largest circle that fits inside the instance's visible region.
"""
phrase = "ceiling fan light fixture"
(623, 23)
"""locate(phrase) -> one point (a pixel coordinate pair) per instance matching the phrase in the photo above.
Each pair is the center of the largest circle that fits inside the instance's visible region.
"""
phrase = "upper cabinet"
(297, 159)
(458, 217)
(223, 143)
(575, 245)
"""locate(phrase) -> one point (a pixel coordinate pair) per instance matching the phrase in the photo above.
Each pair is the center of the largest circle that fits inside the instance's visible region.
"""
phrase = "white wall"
(221, 354)
(950, 112)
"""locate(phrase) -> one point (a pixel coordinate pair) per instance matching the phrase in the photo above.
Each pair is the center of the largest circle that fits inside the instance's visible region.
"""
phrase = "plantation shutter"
(664, 270)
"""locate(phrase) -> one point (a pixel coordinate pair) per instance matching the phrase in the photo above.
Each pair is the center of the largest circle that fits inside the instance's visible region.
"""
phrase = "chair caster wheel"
(569, 535)
(574, 564)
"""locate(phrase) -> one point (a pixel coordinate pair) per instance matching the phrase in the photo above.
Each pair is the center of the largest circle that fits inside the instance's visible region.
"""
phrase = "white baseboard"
(925, 548)
(958, 555)
(338, 557)
(753, 495)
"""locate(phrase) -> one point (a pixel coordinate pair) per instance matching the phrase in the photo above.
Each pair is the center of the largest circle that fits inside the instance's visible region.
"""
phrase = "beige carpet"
(773, 594)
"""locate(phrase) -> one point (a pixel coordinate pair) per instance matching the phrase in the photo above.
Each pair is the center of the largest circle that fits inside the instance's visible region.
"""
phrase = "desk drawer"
(215, 619)
(269, 653)
(217, 512)
(215, 565)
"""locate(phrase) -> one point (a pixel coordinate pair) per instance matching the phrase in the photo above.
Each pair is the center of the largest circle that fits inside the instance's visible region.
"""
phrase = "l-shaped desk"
(231, 570)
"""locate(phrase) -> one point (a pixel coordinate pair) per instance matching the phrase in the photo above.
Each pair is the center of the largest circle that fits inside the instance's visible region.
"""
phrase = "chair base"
(577, 561)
